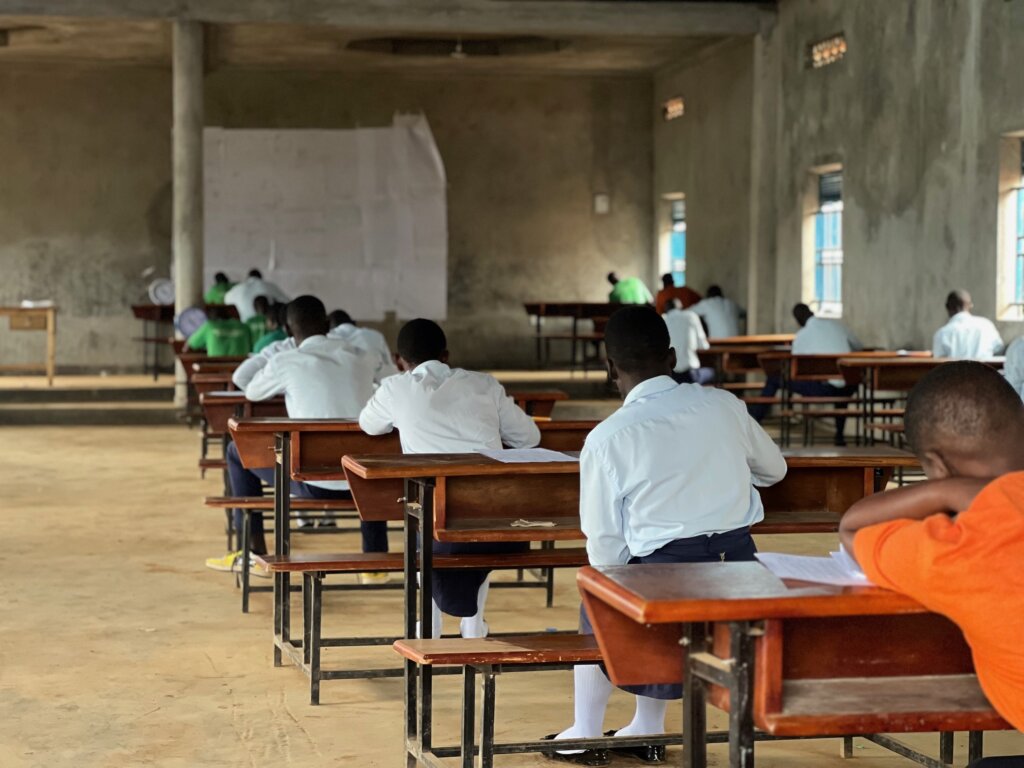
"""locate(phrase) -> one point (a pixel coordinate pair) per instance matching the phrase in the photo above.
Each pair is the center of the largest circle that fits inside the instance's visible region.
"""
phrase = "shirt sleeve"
(267, 383)
(702, 338)
(517, 430)
(601, 512)
(902, 555)
(198, 339)
(995, 340)
(766, 462)
(245, 372)
(378, 415)
(938, 345)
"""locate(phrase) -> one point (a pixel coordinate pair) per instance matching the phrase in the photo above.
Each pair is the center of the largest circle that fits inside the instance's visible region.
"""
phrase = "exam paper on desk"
(526, 455)
(839, 569)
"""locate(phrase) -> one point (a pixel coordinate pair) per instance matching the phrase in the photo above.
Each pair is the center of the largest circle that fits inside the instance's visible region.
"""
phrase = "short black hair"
(261, 304)
(613, 278)
(636, 337)
(307, 316)
(958, 300)
(217, 312)
(255, 273)
(421, 340)
(220, 278)
(339, 317)
(713, 291)
(802, 313)
(279, 312)
(961, 402)
(667, 281)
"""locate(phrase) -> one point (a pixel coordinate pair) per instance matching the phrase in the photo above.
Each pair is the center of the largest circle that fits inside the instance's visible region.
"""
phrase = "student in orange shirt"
(955, 543)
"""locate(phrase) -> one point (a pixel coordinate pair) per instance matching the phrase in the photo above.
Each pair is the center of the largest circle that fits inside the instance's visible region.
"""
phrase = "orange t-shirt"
(687, 296)
(971, 569)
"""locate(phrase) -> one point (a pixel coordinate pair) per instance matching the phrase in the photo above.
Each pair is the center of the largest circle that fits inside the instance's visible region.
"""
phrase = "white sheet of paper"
(835, 570)
(527, 455)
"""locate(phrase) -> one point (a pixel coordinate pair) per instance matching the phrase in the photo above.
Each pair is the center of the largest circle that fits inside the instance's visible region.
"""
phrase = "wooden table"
(764, 340)
(574, 310)
(34, 319)
(792, 659)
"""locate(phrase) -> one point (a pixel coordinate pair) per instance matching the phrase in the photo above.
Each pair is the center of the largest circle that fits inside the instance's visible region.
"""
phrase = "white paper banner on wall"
(357, 217)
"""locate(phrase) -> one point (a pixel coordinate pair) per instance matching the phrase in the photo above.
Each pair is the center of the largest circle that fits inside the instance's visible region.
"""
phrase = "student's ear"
(443, 357)
(613, 372)
(402, 364)
(935, 466)
(672, 358)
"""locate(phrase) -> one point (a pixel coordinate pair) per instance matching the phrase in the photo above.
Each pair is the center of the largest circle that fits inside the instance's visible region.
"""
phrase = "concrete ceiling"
(37, 39)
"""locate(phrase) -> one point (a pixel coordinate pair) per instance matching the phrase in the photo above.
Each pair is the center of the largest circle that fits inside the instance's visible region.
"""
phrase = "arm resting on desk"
(265, 384)
(378, 415)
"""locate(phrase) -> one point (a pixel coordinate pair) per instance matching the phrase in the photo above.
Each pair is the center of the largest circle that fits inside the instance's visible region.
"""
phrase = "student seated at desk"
(687, 296)
(966, 336)
(686, 335)
(221, 335)
(955, 543)
(668, 478)
(257, 323)
(817, 336)
(720, 315)
(437, 409)
(243, 295)
(276, 323)
(215, 293)
(344, 327)
(252, 365)
(321, 378)
(630, 290)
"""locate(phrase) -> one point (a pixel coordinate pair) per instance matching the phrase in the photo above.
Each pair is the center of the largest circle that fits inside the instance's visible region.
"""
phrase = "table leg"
(694, 706)
(975, 745)
(409, 593)
(51, 345)
(741, 697)
(426, 501)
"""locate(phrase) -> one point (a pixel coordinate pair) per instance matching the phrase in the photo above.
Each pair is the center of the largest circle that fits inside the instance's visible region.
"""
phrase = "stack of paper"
(527, 455)
(838, 569)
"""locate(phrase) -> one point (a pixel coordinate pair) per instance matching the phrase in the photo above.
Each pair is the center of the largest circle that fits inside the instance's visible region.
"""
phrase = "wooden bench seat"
(743, 386)
(546, 648)
(266, 503)
(356, 562)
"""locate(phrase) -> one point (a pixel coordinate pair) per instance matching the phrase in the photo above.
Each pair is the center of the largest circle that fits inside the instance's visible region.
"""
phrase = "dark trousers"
(808, 389)
(695, 376)
(249, 482)
(999, 762)
(731, 546)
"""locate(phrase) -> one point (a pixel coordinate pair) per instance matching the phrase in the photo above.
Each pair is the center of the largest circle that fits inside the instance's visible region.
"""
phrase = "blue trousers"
(808, 389)
(249, 482)
(729, 546)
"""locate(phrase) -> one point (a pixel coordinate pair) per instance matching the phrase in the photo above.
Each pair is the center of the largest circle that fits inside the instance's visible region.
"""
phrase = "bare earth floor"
(118, 648)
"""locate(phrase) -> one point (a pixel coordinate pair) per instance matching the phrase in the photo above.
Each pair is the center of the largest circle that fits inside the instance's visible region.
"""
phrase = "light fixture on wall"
(825, 52)
(673, 109)
(459, 53)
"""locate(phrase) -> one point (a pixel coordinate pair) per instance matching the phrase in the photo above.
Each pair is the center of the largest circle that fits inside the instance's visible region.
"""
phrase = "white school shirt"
(242, 296)
(253, 364)
(675, 461)
(967, 337)
(721, 314)
(686, 336)
(320, 379)
(373, 342)
(825, 336)
(438, 409)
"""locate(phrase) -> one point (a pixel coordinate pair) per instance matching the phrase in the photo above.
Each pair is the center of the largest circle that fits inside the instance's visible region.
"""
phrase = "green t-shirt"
(222, 338)
(630, 290)
(269, 338)
(257, 326)
(215, 295)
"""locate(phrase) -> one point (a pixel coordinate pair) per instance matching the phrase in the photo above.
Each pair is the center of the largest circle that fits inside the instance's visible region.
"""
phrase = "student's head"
(339, 317)
(420, 341)
(958, 301)
(637, 344)
(667, 281)
(613, 278)
(256, 273)
(802, 313)
(221, 279)
(261, 305)
(713, 291)
(217, 312)
(964, 420)
(307, 317)
(275, 316)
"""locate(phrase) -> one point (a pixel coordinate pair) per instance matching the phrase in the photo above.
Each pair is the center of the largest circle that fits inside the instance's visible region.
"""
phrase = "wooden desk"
(791, 658)
(764, 340)
(34, 319)
(574, 310)
(220, 406)
(540, 403)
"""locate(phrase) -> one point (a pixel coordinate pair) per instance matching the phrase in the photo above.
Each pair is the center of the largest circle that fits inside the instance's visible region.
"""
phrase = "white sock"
(649, 717)
(435, 622)
(592, 689)
(475, 626)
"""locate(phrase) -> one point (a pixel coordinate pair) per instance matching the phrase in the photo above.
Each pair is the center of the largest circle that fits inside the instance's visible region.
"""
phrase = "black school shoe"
(646, 754)
(591, 757)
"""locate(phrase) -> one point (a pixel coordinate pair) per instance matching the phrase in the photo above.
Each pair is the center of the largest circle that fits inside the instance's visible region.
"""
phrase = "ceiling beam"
(493, 17)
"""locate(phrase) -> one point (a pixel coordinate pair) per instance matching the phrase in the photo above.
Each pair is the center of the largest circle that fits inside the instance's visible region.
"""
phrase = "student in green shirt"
(276, 328)
(258, 322)
(628, 291)
(221, 285)
(221, 335)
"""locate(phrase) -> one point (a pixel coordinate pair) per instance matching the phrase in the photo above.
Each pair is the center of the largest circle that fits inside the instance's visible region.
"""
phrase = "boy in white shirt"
(320, 378)
(438, 409)
(686, 334)
(721, 315)
(966, 336)
(343, 327)
(668, 478)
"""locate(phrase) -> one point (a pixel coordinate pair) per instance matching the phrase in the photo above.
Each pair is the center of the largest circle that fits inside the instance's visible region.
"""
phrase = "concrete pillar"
(187, 175)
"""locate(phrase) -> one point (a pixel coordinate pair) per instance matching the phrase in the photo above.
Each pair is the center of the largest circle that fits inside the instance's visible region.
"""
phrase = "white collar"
(650, 387)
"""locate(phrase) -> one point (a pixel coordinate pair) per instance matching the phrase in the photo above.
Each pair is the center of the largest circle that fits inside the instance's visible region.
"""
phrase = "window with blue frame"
(828, 246)
(1018, 193)
(677, 243)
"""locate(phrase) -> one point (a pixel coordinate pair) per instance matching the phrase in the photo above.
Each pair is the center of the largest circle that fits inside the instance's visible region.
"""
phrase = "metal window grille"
(828, 245)
(677, 243)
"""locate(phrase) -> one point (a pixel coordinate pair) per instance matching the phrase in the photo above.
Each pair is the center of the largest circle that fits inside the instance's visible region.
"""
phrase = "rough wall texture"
(914, 113)
(85, 199)
(85, 205)
(706, 156)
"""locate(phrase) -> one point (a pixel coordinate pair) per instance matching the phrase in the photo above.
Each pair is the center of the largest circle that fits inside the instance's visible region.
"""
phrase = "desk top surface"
(754, 339)
(27, 310)
(671, 593)
(913, 360)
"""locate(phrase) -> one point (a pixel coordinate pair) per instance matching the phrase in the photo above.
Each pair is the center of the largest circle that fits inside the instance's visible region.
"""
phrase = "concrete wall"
(85, 205)
(915, 113)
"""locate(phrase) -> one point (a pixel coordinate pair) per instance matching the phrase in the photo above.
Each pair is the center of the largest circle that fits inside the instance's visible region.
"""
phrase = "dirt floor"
(118, 648)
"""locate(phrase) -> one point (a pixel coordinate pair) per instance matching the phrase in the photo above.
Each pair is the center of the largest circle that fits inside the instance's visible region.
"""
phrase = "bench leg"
(694, 707)
(846, 750)
(307, 614)
(246, 548)
(741, 699)
(486, 757)
(316, 601)
(975, 745)
(946, 748)
(468, 716)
